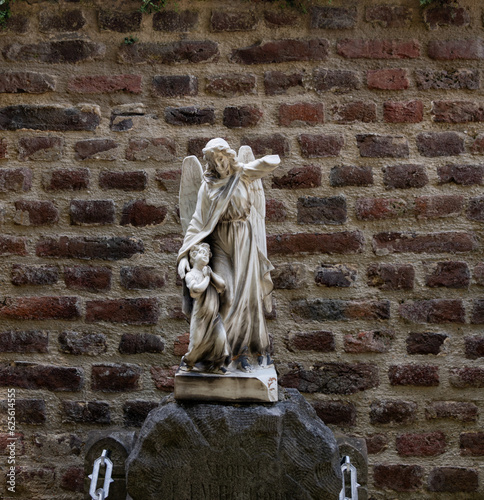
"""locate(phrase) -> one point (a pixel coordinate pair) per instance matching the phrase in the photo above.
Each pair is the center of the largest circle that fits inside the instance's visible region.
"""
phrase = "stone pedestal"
(257, 386)
(273, 451)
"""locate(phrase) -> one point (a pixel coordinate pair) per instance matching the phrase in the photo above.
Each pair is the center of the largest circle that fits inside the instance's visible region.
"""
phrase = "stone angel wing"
(191, 180)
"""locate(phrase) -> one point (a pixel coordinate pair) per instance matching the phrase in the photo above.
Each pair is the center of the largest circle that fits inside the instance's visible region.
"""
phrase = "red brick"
(403, 112)
(27, 411)
(433, 311)
(280, 51)
(456, 410)
(105, 248)
(387, 79)
(119, 21)
(340, 81)
(447, 274)
(184, 51)
(414, 375)
(116, 377)
(405, 176)
(479, 273)
(305, 177)
(175, 21)
(275, 144)
(279, 18)
(372, 341)
(105, 84)
(380, 208)
(15, 179)
(381, 146)
(241, 116)
(82, 344)
(135, 412)
(96, 149)
(289, 276)
(337, 413)
(24, 341)
(277, 82)
(141, 311)
(378, 49)
(446, 15)
(127, 181)
(91, 279)
(472, 444)
(40, 148)
(319, 341)
(231, 85)
(51, 378)
(332, 378)
(333, 18)
(389, 16)
(426, 444)
(222, 20)
(391, 276)
(175, 85)
(435, 144)
(180, 345)
(40, 308)
(467, 377)
(376, 443)
(453, 480)
(457, 111)
(328, 243)
(66, 179)
(477, 147)
(138, 343)
(12, 245)
(425, 343)
(475, 210)
(337, 275)
(72, 479)
(477, 317)
(443, 79)
(164, 378)
(168, 180)
(465, 175)
(159, 149)
(82, 412)
(392, 412)
(84, 212)
(348, 175)
(339, 310)
(140, 214)
(303, 113)
(276, 211)
(35, 213)
(68, 20)
(34, 275)
(313, 210)
(190, 115)
(320, 146)
(170, 243)
(350, 112)
(384, 243)
(474, 347)
(448, 50)
(431, 207)
(142, 278)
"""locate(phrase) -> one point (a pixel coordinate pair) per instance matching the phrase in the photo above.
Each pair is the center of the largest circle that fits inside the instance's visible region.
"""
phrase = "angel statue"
(224, 207)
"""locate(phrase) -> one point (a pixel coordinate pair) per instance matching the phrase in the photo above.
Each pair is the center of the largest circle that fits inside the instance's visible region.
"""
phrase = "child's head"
(201, 251)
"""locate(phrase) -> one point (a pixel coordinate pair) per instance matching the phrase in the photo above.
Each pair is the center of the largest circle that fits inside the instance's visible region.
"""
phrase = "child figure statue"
(208, 349)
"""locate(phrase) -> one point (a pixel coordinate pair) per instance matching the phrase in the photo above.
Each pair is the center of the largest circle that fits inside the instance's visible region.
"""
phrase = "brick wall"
(374, 220)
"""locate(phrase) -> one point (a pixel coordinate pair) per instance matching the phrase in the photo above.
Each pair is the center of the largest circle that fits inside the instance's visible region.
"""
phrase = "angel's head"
(221, 158)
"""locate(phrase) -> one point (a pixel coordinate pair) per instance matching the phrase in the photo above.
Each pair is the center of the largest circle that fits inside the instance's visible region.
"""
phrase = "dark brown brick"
(405, 176)
(348, 175)
(467, 377)
(175, 85)
(472, 444)
(449, 50)
(329, 80)
(87, 212)
(276, 211)
(392, 412)
(96, 149)
(339, 243)
(387, 79)
(24, 341)
(426, 444)
(164, 378)
(34, 275)
(140, 214)
(337, 413)
(67, 20)
(115, 377)
(104, 248)
(241, 116)
(26, 81)
(475, 210)
(88, 278)
(303, 113)
(456, 410)
(335, 275)
(333, 18)
(319, 341)
(27, 411)
(35, 213)
(414, 375)
(464, 175)
(312, 210)
(479, 273)
(431, 207)
(425, 343)
(13, 245)
(320, 146)
(280, 18)
(40, 148)
(391, 276)
(427, 79)
(280, 51)
(433, 311)
(105, 84)
(376, 443)
(40, 308)
(448, 274)
(118, 21)
(372, 341)
(142, 278)
(72, 479)
(138, 343)
(142, 311)
(135, 412)
(339, 310)
(82, 344)
(127, 181)
(222, 20)
(457, 111)
(381, 146)
(446, 15)
(389, 16)
(47, 118)
(55, 52)
(48, 377)
(15, 179)
(305, 177)
(350, 112)
(435, 144)
(453, 480)
(380, 208)
(384, 243)
(191, 115)
(477, 317)
(168, 180)
(378, 49)
(175, 21)
(16, 24)
(66, 179)
(277, 82)
(159, 149)
(474, 347)
(231, 85)
(86, 412)
(477, 146)
(403, 112)
(275, 144)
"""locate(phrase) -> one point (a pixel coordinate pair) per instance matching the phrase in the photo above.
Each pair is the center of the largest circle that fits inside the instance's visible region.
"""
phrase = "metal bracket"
(101, 493)
(348, 467)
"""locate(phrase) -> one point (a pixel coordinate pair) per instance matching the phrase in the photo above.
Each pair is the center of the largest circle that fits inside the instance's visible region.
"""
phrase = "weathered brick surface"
(335, 275)
(449, 274)
(51, 378)
(92, 412)
(27, 81)
(139, 213)
(142, 278)
(380, 208)
(380, 146)
(433, 311)
(277, 82)
(299, 178)
(232, 20)
(403, 112)
(159, 149)
(116, 377)
(127, 181)
(333, 17)
(446, 15)
(261, 145)
(92, 212)
(175, 86)
(132, 343)
(389, 16)
(28, 341)
(358, 111)
(461, 411)
(241, 116)
(448, 50)
(118, 21)
(326, 80)
(348, 175)
(405, 176)
(135, 412)
(129, 311)
(15, 179)
(336, 412)
(230, 85)
(465, 175)
(467, 377)
(66, 179)
(27, 411)
(431, 207)
(414, 375)
(40, 308)
(472, 443)
(427, 444)
(441, 79)
(100, 84)
(175, 20)
(68, 20)
(425, 343)
(391, 276)
(301, 114)
(372, 341)
(82, 344)
(312, 210)
(387, 79)
(320, 341)
(320, 146)
(88, 278)
(453, 480)
(440, 144)
(378, 49)
(474, 347)
(339, 310)
(386, 412)
(34, 275)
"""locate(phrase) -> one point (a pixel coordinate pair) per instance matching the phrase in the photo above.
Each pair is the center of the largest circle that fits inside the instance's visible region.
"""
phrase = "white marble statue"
(224, 207)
